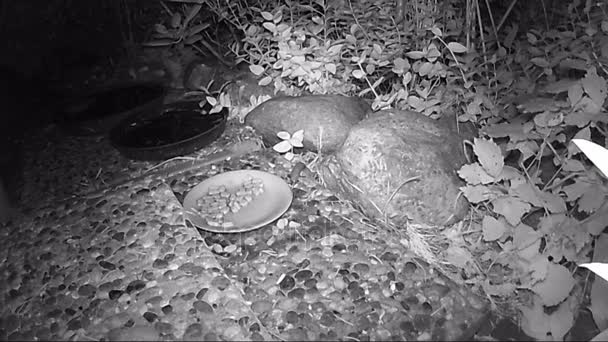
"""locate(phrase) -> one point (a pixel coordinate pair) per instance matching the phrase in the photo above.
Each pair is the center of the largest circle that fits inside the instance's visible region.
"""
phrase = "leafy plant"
(289, 142)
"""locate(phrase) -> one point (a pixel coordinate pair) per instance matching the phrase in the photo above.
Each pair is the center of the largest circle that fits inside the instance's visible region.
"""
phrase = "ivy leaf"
(335, 49)
(415, 54)
(267, 16)
(265, 81)
(270, 26)
(575, 190)
(511, 208)
(537, 324)
(331, 68)
(437, 31)
(284, 135)
(548, 119)
(297, 138)
(456, 47)
(193, 39)
(474, 174)
(592, 199)
(489, 155)
(595, 87)
(492, 228)
(211, 100)
(176, 20)
(282, 146)
(256, 69)
(540, 62)
(575, 93)
(358, 74)
(596, 223)
(479, 193)
(556, 286)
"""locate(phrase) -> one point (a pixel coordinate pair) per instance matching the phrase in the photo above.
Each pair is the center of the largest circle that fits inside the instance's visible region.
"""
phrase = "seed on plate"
(228, 224)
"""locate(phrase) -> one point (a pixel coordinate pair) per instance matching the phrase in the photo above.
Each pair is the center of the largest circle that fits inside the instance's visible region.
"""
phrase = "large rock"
(386, 150)
(325, 119)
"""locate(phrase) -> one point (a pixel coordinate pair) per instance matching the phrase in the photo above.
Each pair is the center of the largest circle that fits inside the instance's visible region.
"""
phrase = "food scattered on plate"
(219, 203)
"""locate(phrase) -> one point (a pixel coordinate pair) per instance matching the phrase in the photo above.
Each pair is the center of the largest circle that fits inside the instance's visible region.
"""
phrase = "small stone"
(167, 309)
(119, 236)
(389, 257)
(261, 306)
(188, 296)
(303, 275)
(203, 307)
(193, 332)
(257, 337)
(74, 324)
(338, 248)
(163, 327)
(310, 283)
(155, 300)
(287, 283)
(422, 322)
(409, 268)
(297, 293)
(361, 268)
(221, 282)
(136, 285)
(134, 333)
(327, 319)
(160, 264)
(412, 300)
(303, 264)
(69, 311)
(407, 326)
(318, 307)
(255, 327)
(357, 292)
(200, 294)
(291, 317)
(150, 316)
(210, 336)
(115, 294)
(87, 290)
(339, 283)
(107, 265)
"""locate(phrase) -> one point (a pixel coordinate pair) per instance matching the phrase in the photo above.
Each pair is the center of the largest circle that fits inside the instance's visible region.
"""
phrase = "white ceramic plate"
(265, 208)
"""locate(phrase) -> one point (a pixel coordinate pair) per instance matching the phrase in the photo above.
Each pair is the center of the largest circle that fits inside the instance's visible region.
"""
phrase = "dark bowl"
(98, 111)
(180, 130)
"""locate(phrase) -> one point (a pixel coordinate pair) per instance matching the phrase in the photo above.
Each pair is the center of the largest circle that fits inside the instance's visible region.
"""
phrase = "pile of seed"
(218, 203)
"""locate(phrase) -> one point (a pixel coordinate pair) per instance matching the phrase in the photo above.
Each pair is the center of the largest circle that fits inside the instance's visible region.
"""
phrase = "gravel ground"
(89, 262)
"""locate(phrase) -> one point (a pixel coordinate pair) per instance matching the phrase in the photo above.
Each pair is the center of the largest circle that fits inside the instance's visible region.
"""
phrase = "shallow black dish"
(98, 111)
(181, 129)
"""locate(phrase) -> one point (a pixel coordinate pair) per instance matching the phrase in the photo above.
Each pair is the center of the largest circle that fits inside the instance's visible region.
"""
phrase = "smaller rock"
(261, 306)
(107, 265)
(291, 317)
(160, 264)
(115, 294)
(194, 332)
(327, 319)
(136, 285)
(203, 307)
(287, 283)
(150, 316)
(87, 290)
(303, 275)
(167, 309)
(221, 282)
(298, 293)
